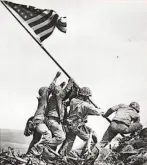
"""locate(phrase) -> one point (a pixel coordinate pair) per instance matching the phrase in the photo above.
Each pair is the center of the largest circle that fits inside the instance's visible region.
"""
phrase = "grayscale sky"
(105, 48)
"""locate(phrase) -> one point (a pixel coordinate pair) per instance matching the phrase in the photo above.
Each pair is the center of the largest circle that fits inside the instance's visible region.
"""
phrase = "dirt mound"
(131, 150)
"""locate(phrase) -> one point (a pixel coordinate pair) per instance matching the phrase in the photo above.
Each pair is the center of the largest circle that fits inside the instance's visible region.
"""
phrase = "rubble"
(11, 157)
(132, 150)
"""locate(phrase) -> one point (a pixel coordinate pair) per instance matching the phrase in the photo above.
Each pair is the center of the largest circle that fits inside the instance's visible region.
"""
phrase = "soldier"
(55, 113)
(36, 125)
(30, 130)
(126, 121)
(80, 108)
(41, 126)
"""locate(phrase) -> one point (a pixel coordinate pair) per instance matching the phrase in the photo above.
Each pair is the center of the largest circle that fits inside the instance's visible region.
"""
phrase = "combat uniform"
(41, 133)
(126, 121)
(78, 113)
(55, 113)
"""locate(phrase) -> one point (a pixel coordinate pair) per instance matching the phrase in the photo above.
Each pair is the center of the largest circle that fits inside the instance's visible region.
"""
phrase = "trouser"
(117, 127)
(40, 140)
(51, 136)
(36, 138)
(57, 130)
(74, 131)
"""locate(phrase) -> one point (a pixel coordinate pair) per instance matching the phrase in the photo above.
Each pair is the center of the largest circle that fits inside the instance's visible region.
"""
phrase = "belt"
(76, 120)
(121, 122)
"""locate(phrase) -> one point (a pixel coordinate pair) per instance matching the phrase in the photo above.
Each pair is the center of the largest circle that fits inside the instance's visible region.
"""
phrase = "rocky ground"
(132, 150)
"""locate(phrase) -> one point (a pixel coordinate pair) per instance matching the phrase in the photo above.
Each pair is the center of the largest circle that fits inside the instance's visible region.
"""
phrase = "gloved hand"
(71, 80)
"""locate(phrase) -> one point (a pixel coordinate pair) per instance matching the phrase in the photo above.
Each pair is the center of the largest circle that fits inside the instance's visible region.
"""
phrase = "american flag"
(42, 21)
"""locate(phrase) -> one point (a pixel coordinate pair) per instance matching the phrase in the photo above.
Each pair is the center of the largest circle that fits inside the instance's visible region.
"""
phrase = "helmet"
(135, 105)
(42, 90)
(143, 133)
(128, 150)
(85, 91)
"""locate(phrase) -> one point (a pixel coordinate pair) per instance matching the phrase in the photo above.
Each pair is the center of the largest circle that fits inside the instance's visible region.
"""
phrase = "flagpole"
(43, 48)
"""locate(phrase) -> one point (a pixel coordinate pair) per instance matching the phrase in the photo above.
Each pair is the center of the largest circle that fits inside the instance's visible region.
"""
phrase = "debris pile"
(132, 150)
(11, 157)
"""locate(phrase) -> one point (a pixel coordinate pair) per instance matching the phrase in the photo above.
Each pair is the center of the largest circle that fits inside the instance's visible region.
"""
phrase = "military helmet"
(128, 149)
(135, 105)
(42, 90)
(85, 91)
(143, 133)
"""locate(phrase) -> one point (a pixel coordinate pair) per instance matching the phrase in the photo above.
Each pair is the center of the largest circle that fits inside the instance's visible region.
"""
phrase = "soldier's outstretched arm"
(53, 83)
(58, 74)
(108, 113)
(91, 110)
(113, 109)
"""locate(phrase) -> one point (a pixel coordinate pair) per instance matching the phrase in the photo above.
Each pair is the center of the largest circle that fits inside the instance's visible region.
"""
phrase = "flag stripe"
(45, 36)
(35, 18)
(48, 26)
(40, 20)
(41, 24)
(45, 32)
(62, 23)
(61, 29)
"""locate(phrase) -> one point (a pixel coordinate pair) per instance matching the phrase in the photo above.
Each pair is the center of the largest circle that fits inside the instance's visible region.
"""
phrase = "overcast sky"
(105, 48)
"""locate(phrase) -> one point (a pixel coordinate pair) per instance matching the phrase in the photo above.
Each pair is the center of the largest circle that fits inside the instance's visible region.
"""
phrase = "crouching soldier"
(126, 121)
(30, 130)
(36, 124)
(80, 108)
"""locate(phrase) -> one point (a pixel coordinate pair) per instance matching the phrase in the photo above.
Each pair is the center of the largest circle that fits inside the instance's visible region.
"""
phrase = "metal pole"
(43, 48)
